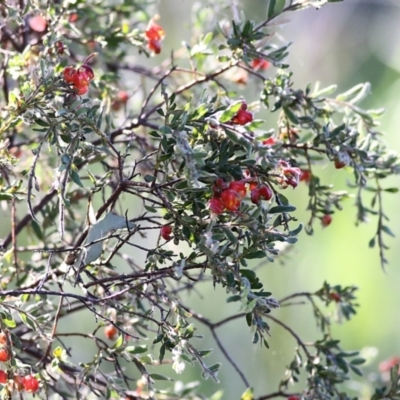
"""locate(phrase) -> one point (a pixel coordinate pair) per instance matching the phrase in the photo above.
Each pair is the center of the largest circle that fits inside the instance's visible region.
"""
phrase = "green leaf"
(387, 230)
(355, 370)
(159, 377)
(296, 231)
(205, 353)
(150, 209)
(291, 115)
(10, 323)
(228, 233)
(162, 353)
(75, 178)
(119, 342)
(371, 243)
(232, 299)
(215, 368)
(275, 7)
(358, 361)
(254, 254)
(26, 320)
(249, 318)
(281, 209)
(230, 112)
(36, 228)
(391, 190)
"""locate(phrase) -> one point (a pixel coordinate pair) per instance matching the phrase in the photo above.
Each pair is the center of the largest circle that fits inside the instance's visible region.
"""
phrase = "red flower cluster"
(79, 78)
(154, 34)
(227, 197)
(28, 383)
(243, 116)
(260, 64)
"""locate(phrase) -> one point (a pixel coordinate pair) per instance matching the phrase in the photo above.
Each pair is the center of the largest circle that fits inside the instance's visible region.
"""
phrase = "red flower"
(70, 75)
(219, 186)
(3, 377)
(239, 187)
(305, 175)
(154, 46)
(260, 64)
(243, 116)
(265, 192)
(86, 72)
(231, 200)
(216, 205)
(4, 355)
(79, 79)
(387, 365)
(154, 34)
(270, 141)
(291, 176)
(255, 196)
(252, 185)
(154, 31)
(31, 384)
(165, 232)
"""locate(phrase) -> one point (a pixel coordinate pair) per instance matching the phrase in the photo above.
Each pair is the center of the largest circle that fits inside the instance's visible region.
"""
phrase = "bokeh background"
(344, 43)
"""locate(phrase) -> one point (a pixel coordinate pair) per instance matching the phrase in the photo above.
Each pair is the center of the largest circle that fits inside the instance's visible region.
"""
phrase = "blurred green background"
(343, 43)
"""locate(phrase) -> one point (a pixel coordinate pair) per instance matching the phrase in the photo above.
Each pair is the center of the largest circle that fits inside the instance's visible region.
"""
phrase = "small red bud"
(334, 296)
(326, 220)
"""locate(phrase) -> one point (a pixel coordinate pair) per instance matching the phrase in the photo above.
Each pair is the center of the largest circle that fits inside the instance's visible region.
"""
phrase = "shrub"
(99, 152)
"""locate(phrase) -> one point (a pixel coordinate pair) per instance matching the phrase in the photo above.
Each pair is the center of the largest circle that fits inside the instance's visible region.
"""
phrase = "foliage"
(91, 164)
